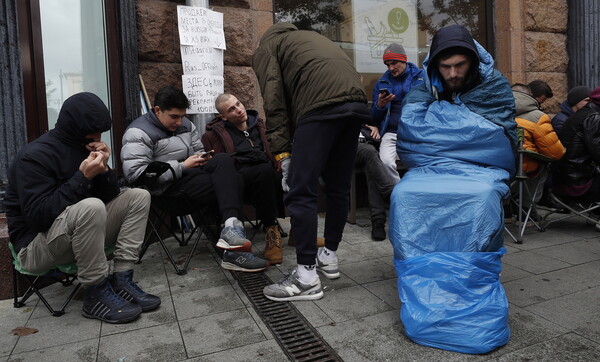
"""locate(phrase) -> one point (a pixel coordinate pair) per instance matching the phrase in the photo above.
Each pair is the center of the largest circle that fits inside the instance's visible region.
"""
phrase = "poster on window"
(378, 23)
(200, 26)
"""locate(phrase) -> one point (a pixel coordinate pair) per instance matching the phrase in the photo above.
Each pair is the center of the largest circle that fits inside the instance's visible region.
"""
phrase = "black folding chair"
(172, 204)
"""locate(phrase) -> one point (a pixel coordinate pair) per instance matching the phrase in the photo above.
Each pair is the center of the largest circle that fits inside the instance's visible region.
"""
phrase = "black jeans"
(218, 178)
(327, 149)
(260, 190)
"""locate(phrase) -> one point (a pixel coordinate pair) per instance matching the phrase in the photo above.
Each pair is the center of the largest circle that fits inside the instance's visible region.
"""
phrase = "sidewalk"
(552, 281)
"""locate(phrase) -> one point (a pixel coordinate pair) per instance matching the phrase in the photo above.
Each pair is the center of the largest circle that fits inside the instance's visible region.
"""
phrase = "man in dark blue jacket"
(64, 205)
(388, 93)
(577, 98)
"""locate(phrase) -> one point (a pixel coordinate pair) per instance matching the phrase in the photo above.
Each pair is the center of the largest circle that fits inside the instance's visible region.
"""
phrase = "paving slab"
(568, 347)
(579, 312)
(533, 262)
(72, 327)
(351, 303)
(158, 343)
(220, 332)
(85, 351)
(543, 287)
(206, 301)
(261, 351)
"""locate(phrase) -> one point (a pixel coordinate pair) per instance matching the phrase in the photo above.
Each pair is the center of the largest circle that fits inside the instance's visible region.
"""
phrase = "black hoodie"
(451, 40)
(44, 178)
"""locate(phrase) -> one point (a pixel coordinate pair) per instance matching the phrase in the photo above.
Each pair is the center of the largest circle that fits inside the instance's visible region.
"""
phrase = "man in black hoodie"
(64, 205)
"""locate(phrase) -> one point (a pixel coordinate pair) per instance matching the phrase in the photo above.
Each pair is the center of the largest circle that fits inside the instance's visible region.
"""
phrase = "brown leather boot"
(273, 251)
(292, 240)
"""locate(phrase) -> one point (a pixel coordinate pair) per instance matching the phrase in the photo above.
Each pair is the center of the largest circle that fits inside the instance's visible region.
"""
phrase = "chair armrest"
(536, 156)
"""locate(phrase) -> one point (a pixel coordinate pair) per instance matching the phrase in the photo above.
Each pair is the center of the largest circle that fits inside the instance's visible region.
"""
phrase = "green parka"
(299, 71)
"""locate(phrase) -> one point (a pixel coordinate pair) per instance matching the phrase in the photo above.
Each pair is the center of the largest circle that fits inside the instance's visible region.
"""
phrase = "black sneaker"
(378, 230)
(101, 302)
(126, 288)
(242, 261)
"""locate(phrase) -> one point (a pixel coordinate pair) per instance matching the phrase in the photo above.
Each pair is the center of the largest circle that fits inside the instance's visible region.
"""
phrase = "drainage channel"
(298, 339)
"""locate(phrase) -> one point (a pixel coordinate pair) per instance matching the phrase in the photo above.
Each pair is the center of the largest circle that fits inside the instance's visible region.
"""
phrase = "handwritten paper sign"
(200, 26)
(201, 60)
(202, 90)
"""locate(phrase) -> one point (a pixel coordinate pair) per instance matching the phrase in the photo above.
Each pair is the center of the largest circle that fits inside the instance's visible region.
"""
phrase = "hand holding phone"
(207, 154)
(384, 92)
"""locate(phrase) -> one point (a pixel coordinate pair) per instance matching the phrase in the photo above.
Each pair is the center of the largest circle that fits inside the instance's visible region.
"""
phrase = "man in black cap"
(577, 98)
(388, 93)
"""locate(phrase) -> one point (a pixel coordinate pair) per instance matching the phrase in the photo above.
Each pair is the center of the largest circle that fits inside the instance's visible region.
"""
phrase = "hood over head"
(277, 29)
(80, 115)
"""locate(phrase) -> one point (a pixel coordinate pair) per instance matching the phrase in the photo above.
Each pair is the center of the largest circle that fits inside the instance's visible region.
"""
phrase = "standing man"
(388, 93)
(314, 104)
(242, 134)
(64, 205)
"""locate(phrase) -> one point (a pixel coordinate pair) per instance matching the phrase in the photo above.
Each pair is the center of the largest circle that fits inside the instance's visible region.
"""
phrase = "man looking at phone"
(242, 134)
(166, 135)
(388, 93)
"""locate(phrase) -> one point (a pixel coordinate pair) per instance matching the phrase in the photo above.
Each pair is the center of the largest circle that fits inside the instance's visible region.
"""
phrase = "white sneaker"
(329, 265)
(291, 288)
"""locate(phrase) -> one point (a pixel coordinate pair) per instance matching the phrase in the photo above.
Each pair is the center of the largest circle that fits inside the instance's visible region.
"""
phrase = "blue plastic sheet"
(454, 300)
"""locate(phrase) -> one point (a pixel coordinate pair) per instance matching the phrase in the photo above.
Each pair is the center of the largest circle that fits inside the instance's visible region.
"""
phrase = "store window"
(364, 28)
(67, 47)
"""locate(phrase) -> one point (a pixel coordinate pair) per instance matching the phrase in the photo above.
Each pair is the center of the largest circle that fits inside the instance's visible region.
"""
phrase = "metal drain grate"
(298, 339)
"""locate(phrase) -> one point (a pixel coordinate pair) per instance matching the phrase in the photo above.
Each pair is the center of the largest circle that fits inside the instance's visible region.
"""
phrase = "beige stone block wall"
(158, 44)
(531, 43)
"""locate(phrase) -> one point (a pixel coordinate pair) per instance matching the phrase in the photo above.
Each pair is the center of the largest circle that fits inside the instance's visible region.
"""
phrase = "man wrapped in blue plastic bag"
(457, 138)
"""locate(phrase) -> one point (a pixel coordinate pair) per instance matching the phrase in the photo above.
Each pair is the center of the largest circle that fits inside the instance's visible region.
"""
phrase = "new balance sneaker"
(101, 302)
(234, 238)
(241, 261)
(123, 284)
(327, 264)
(291, 288)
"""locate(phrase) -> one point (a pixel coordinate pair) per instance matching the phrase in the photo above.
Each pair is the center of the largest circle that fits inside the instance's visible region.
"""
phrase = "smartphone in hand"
(384, 92)
(206, 154)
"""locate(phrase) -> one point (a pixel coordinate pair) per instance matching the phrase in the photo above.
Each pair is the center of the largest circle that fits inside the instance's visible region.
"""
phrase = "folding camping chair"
(166, 206)
(65, 274)
(576, 208)
(525, 193)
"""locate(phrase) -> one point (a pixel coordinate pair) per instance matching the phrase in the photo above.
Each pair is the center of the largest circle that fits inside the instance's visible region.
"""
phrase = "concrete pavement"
(552, 281)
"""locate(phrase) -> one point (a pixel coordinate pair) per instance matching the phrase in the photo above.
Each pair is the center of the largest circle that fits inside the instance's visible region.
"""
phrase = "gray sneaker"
(246, 262)
(234, 238)
(328, 268)
(290, 288)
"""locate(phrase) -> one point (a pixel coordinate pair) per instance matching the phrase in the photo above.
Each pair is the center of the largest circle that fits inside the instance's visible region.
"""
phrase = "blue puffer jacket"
(390, 114)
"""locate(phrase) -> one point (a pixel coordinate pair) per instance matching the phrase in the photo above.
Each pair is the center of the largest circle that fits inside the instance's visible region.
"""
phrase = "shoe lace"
(288, 278)
(110, 296)
(271, 238)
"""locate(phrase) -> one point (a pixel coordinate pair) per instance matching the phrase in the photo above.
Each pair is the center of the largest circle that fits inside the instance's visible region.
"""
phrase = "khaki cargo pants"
(80, 233)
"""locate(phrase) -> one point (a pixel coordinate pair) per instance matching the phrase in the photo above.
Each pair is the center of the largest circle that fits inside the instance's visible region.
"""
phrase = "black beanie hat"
(577, 94)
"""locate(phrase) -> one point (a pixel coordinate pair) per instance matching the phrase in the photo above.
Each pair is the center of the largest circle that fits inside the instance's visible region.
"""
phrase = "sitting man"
(388, 93)
(457, 138)
(241, 134)
(64, 205)
(540, 90)
(165, 135)
(576, 174)
(539, 136)
(577, 98)
(379, 182)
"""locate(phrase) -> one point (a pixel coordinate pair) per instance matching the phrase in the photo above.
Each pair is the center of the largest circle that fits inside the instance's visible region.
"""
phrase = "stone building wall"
(158, 44)
(531, 43)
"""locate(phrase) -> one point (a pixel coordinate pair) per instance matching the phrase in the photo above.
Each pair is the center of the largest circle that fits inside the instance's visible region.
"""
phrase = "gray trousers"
(379, 182)
(81, 232)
